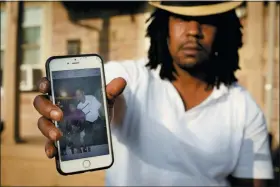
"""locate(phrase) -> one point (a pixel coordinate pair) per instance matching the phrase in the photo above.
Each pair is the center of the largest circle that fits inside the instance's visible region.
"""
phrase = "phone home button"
(86, 163)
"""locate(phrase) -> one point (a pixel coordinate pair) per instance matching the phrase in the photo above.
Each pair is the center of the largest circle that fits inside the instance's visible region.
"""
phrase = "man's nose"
(193, 29)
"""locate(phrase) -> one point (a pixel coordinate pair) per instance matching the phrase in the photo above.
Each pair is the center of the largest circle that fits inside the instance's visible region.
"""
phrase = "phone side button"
(86, 163)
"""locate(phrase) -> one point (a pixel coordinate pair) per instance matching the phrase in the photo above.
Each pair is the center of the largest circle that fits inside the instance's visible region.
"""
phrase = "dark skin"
(190, 44)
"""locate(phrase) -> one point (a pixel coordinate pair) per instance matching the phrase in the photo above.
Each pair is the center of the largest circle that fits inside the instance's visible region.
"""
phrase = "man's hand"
(50, 112)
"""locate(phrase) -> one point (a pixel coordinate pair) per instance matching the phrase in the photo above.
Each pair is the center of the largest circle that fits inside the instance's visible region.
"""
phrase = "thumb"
(113, 90)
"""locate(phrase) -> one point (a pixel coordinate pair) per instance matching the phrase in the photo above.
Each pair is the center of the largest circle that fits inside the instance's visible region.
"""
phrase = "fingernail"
(53, 134)
(54, 114)
(48, 153)
(42, 86)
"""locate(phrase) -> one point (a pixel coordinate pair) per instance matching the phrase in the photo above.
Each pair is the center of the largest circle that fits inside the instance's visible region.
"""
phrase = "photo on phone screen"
(79, 94)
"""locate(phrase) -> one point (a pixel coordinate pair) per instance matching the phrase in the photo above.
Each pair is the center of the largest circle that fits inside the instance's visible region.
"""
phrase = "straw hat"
(196, 8)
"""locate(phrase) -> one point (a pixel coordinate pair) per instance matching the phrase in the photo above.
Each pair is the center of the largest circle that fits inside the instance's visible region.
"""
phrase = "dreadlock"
(222, 65)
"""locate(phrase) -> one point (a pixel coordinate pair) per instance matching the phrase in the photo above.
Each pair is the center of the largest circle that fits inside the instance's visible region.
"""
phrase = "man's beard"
(200, 70)
(188, 66)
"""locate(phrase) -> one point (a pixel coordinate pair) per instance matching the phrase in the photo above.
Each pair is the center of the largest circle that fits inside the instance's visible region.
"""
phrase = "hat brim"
(202, 10)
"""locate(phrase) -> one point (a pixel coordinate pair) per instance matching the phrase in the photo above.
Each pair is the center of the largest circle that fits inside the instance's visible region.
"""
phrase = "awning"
(94, 9)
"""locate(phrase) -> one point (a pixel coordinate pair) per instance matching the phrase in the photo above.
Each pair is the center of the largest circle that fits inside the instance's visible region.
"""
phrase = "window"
(2, 41)
(32, 25)
(73, 47)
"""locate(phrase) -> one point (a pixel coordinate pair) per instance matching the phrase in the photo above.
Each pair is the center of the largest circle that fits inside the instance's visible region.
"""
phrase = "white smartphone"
(78, 88)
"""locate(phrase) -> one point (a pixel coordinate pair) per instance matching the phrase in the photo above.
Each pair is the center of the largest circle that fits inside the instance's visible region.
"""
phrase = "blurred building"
(116, 31)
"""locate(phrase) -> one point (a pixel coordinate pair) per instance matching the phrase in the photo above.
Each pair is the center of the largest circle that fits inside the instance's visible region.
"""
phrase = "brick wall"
(114, 37)
(275, 107)
(64, 30)
(244, 78)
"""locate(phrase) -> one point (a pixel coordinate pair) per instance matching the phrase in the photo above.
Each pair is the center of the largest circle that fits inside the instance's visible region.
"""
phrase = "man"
(90, 107)
(180, 118)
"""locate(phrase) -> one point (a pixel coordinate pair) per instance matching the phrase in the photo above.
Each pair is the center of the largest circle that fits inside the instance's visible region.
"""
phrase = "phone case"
(106, 108)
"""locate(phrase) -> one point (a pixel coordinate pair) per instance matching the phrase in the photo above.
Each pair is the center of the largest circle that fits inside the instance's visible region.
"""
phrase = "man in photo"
(90, 107)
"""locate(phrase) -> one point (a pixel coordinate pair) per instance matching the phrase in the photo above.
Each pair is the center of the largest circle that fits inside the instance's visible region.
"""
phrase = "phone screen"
(79, 94)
